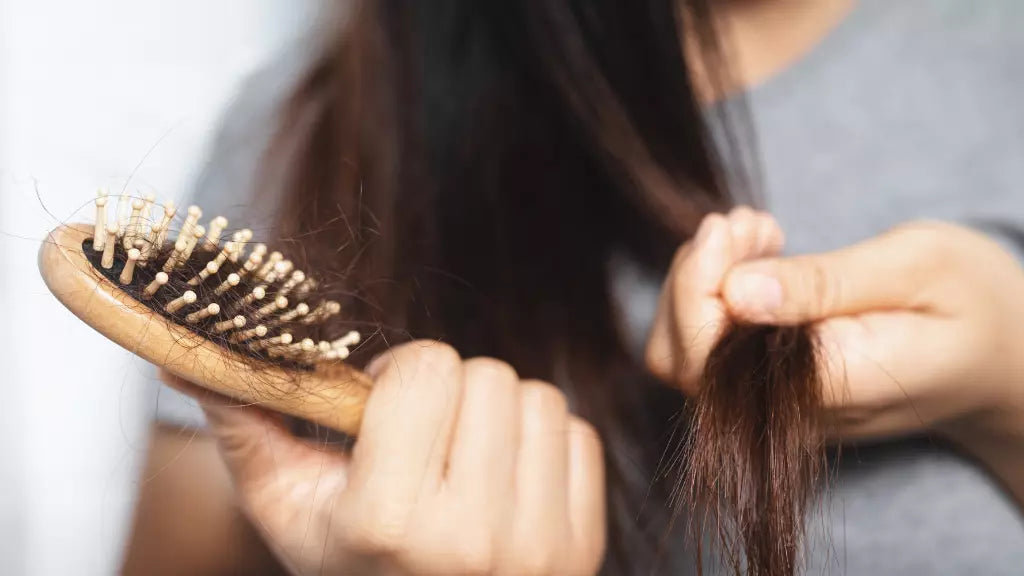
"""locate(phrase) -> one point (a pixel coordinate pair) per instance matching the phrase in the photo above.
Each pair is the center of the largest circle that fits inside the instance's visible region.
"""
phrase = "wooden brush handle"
(333, 395)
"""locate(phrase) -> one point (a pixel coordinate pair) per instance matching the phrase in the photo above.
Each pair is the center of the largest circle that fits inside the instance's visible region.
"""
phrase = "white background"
(87, 89)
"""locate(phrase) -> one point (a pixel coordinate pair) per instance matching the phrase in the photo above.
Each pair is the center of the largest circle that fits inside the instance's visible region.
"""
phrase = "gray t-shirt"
(907, 110)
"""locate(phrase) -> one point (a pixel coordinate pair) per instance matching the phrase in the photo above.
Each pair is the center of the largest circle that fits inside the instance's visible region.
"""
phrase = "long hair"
(466, 170)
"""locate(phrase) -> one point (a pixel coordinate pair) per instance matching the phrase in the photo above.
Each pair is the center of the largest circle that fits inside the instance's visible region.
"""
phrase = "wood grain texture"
(333, 395)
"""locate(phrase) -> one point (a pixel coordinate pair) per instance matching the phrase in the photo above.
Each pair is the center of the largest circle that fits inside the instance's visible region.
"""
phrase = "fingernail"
(755, 294)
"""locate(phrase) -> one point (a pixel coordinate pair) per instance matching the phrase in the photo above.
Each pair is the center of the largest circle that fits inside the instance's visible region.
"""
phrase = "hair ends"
(755, 449)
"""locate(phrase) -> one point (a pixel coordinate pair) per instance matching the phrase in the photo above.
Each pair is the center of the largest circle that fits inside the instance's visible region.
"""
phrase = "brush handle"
(332, 395)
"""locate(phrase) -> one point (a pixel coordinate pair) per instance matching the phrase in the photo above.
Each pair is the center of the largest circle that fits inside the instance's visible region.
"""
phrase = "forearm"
(996, 439)
(996, 436)
(187, 521)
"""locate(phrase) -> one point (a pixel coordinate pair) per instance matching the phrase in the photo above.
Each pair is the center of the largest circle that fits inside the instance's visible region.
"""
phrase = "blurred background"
(99, 93)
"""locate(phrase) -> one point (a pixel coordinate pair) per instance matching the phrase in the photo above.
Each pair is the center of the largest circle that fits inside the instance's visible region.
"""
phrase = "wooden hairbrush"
(223, 314)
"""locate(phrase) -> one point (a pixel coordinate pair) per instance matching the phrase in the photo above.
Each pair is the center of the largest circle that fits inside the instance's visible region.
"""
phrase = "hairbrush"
(222, 312)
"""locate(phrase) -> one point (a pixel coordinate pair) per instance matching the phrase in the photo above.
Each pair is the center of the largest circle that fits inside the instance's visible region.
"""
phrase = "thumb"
(873, 275)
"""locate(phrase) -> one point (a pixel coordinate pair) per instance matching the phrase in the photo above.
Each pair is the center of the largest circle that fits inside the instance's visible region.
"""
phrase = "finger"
(407, 424)
(695, 315)
(659, 353)
(881, 273)
(252, 441)
(483, 458)
(691, 316)
(662, 322)
(770, 238)
(744, 226)
(542, 473)
(586, 497)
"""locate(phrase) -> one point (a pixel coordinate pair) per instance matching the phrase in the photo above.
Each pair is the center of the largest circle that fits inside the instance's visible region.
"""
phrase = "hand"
(460, 468)
(920, 328)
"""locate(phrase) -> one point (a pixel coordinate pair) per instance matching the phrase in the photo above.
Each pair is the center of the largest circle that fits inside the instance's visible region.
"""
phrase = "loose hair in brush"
(482, 163)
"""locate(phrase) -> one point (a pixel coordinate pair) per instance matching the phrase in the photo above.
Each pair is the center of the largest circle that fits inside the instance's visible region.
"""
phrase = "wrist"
(994, 435)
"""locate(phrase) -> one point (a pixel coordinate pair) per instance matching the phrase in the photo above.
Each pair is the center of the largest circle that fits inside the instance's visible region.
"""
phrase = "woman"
(508, 179)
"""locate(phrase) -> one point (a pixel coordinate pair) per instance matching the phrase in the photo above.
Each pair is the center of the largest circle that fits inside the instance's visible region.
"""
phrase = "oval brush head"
(224, 313)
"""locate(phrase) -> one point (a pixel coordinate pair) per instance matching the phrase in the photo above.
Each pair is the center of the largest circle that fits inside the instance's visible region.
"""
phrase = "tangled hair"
(481, 163)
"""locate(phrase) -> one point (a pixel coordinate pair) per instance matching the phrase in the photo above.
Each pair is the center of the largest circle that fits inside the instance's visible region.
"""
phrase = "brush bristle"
(253, 303)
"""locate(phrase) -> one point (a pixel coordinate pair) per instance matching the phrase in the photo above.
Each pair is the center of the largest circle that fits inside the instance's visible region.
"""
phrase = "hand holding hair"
(460, 468)
(922, 328)
(917, 329)
(691, 315)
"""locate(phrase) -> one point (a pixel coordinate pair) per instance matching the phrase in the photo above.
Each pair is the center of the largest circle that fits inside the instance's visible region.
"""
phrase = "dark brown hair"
(466, 170)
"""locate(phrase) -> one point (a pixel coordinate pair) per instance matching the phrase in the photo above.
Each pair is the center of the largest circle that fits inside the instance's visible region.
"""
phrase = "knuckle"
(459, 545)
(742, 211)
(824, 288)
(475, 558)
(579, 426)
(714, 220)
(772, 233)
(680, 368)
(584, 436)
(378, 531)
(658, 359)
(682, 255)
(431, 355)
(536, 561)
(437, 354)
(482, 369)
(541, 396)
(742, 220)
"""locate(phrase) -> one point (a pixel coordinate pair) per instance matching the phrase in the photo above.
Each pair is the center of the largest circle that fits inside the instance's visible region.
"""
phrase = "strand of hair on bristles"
(131, 245)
